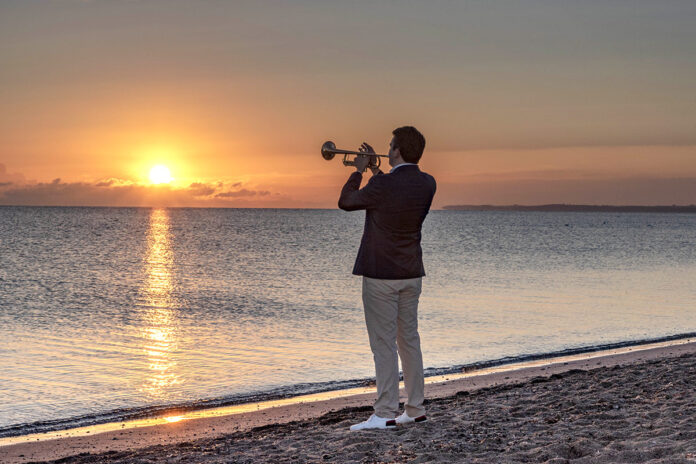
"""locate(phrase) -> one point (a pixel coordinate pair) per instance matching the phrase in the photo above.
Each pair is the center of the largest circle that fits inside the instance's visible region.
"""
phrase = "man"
(390, 261)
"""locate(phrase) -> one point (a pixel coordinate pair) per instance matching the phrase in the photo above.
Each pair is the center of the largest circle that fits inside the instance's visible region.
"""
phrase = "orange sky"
(520, 102)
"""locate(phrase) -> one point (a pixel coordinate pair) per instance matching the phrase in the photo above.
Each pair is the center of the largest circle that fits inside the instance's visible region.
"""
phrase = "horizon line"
(443, 208)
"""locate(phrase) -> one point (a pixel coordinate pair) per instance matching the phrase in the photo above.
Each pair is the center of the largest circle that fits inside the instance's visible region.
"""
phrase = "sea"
(108, 314)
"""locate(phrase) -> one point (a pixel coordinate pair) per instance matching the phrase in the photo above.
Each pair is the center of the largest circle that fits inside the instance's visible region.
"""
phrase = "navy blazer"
(396, 205)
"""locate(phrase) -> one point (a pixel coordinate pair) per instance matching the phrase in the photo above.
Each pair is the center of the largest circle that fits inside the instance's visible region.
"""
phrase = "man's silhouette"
(390, 261)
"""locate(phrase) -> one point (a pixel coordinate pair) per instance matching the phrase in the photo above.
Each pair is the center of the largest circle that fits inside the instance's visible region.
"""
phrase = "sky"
(521, 101)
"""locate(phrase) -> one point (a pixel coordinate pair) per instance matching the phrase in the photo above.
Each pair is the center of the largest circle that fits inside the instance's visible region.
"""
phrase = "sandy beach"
(632, 407)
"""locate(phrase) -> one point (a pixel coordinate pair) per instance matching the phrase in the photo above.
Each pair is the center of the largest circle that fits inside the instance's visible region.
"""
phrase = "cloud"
(243, 193)
(512, 187)
(538, 174)
(606, 191)
(119, 192)
(199, 189)
(113, 182)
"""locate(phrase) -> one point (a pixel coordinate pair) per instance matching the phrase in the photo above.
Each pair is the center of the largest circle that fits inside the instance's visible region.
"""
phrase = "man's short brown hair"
(410, 143)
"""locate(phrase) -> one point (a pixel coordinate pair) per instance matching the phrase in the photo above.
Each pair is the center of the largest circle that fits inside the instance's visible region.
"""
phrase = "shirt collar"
(399, 165)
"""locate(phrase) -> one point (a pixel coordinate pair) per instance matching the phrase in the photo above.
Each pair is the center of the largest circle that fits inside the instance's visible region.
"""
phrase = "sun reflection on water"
(159, 319)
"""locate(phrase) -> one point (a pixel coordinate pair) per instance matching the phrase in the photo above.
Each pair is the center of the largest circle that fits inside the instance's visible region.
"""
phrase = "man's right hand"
(361, 162)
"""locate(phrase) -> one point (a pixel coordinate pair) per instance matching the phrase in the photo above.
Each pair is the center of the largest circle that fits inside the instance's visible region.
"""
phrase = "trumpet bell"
(328, 150)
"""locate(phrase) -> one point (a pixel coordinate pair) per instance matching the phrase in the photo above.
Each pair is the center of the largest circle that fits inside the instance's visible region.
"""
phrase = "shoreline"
(578, 208)
(295, 393)
(178, 429)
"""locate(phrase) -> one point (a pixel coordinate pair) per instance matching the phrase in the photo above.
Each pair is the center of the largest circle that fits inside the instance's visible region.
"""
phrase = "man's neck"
(403, 163)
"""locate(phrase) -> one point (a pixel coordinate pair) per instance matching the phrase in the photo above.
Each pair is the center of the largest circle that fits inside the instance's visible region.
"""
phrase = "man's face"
(394, 153)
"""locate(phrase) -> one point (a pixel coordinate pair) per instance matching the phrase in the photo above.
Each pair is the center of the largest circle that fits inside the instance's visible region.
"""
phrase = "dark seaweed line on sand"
(125, 414)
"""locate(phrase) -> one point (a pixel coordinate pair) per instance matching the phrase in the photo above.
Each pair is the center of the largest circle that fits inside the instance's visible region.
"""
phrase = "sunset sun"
(160, 174)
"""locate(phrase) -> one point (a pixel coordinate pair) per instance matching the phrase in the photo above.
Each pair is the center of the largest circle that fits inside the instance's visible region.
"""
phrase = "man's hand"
(375, 170)
(362, 161)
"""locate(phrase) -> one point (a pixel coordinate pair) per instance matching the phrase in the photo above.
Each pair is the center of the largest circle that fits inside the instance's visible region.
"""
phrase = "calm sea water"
(117, 310)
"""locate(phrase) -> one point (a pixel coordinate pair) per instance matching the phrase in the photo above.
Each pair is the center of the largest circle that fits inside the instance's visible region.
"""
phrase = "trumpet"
(329, 150)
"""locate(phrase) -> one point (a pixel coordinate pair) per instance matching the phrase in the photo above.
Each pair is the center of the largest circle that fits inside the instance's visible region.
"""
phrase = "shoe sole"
(417, 419)
(388, 427)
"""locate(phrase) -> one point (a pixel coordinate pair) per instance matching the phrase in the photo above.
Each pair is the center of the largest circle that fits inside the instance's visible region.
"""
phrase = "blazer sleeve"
(354, 198)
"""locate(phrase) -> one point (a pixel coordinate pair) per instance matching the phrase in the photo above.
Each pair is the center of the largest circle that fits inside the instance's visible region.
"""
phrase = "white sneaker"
(406, 419)
(374, 422)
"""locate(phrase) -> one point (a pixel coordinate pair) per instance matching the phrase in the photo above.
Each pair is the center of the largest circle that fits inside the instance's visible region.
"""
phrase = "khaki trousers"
(391, 315)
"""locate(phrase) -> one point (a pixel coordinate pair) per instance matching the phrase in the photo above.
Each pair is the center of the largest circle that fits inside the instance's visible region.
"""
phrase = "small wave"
(124, 414)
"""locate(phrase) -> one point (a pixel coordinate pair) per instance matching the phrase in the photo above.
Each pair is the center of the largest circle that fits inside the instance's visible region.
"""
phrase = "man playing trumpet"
(391, 264)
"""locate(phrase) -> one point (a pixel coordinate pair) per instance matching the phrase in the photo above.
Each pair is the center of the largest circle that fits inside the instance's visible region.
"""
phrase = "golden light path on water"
(159, 328)
(314, 397)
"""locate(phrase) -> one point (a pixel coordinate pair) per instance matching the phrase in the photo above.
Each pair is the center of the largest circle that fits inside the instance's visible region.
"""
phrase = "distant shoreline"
(577, 208)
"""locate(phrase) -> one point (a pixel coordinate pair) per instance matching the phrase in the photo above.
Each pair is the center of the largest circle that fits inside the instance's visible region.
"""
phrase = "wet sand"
(632, 407)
